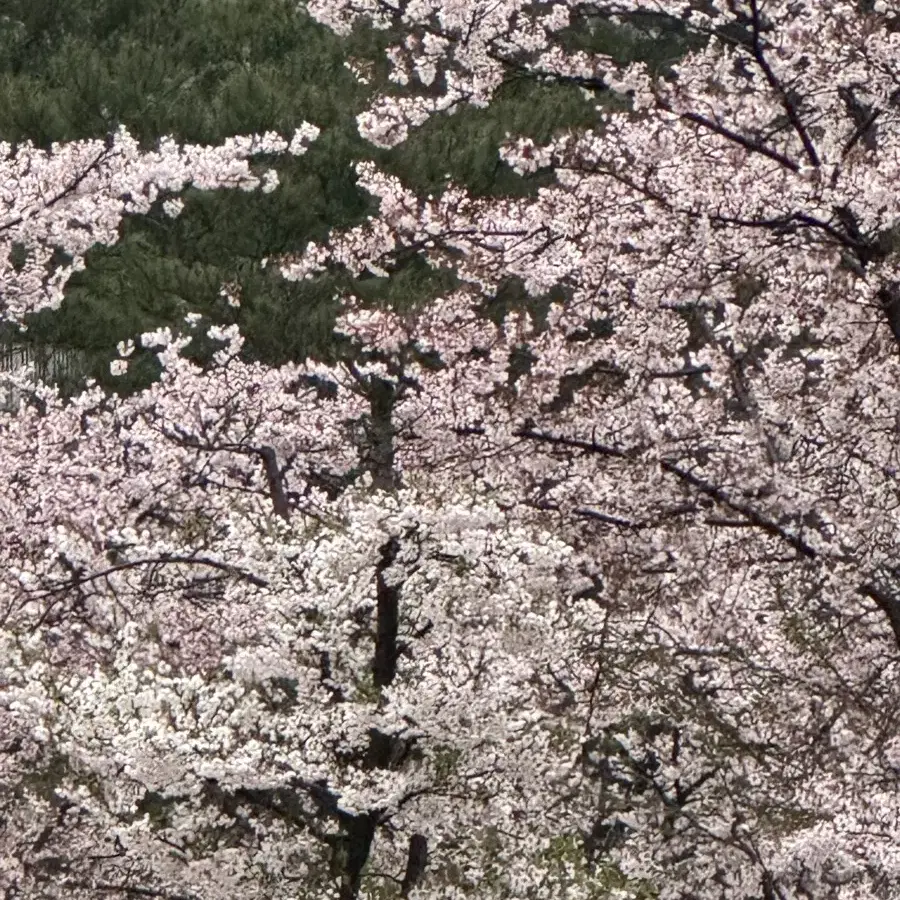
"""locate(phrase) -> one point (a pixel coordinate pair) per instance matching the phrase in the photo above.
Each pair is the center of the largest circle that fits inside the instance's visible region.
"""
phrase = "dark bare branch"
(753, 516)
(790, 107)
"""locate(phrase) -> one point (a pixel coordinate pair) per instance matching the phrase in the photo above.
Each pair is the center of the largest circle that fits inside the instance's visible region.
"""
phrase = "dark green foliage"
(198, 70)
(463, 147)
(202, 71)
(649, 37)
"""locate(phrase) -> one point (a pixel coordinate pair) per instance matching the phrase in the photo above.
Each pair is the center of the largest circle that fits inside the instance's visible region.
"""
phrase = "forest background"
(201, 72)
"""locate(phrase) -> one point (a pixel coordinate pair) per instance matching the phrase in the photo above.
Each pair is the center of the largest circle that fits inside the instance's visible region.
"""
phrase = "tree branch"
(889, 605)
(751, 144)
(753, 517)
(164, 559)
(790, 107)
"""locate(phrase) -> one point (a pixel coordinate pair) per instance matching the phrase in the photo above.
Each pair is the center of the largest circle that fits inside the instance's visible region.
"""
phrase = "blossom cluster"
(599, 598)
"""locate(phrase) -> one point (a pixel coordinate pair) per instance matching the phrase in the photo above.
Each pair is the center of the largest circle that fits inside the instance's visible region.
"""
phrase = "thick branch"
(889, 605)
(531, 433)
(753, 516)
(384, 665)
(790, 107)
(862, 130)
(352, 853)
(686, 372)
(416, 861)
(275, 480)
(751, 144)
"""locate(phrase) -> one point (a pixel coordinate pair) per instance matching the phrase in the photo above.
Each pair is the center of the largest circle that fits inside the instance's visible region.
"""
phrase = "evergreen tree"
(202, 72)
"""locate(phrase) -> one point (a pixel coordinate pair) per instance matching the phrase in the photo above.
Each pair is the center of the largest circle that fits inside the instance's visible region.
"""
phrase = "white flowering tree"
(596, 601)
(246, 673)
(58, 203)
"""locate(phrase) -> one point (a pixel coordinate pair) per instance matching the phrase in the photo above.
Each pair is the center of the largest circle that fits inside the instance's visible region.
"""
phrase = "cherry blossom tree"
(58, 203)
(597, 599)
(716, 381)
(242, 681)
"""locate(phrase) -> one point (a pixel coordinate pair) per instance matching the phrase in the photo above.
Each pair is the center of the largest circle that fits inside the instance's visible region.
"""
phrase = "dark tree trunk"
(384, 666)
(275, 481)
(380, 461)
(353, 852)
(889, 296)
(416, 861)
